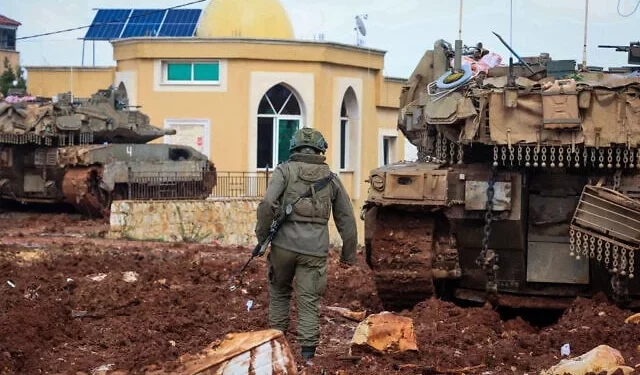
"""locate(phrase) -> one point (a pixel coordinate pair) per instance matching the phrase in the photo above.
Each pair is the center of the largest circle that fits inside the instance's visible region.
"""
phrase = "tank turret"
(105, 117)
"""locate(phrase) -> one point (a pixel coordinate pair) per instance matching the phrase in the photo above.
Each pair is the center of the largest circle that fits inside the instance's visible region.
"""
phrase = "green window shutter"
(178, 72)
(206, 71)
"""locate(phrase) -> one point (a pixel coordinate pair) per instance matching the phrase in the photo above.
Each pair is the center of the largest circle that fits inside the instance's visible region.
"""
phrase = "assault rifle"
(281, 216)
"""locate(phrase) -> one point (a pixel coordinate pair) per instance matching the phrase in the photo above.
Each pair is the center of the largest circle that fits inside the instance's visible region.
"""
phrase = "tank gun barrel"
(169, 131)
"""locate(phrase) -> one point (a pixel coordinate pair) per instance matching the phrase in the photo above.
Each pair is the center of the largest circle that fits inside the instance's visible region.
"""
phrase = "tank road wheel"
(402, 257)
(81, 188)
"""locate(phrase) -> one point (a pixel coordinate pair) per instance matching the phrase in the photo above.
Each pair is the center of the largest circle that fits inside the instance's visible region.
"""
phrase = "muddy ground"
(65, 307)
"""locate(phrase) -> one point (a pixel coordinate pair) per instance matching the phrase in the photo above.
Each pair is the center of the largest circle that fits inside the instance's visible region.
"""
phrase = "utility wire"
(628, 14)
(110, 21)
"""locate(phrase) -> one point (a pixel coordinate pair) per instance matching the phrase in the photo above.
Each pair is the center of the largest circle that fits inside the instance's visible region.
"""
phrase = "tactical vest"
(302, 176)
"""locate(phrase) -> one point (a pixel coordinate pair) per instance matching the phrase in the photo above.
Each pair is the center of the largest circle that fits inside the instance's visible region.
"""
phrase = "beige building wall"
(321, 75)
(48, 81)
(12, 56)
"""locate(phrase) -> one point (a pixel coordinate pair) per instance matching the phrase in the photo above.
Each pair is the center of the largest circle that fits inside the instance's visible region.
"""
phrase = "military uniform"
(299, 249)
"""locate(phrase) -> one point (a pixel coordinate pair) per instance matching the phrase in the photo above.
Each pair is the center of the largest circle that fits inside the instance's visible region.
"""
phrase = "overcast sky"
(404, 28)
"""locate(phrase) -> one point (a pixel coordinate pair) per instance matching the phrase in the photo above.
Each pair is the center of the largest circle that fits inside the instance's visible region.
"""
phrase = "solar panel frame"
(111, 24)
(144, 22)
(180, 22)
(107, 24)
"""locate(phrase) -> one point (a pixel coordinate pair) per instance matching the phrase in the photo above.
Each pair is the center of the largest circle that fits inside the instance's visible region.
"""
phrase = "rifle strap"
(318, 185)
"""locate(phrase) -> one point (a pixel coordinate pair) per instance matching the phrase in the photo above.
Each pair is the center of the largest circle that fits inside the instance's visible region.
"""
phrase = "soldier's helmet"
(308, 137)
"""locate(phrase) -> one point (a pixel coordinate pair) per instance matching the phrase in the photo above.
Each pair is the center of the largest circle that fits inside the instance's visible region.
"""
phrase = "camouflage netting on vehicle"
(594, 110)
(22, 118)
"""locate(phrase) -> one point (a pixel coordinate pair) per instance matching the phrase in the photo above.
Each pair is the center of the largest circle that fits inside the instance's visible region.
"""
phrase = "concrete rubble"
(602, 358)
(634, 319)
(258, 352)
(384, 333)
(357, 316)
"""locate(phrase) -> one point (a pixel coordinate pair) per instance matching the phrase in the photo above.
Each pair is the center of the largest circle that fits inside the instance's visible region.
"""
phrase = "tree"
(9, 76)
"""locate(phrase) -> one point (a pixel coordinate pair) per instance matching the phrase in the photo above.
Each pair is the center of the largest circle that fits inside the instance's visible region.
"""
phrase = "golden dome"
(245, 19)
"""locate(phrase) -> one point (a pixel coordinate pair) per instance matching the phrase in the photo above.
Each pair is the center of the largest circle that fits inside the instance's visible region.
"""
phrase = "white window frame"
(276, 130)
(392, 135)
(206, 125)
(165, 72)
(276, 117)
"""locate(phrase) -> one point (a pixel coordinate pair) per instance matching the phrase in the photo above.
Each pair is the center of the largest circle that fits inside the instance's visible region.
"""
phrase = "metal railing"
(169, 185)
(241, 184)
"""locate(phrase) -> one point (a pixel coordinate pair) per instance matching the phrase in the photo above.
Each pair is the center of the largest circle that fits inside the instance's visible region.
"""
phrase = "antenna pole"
(511, 23)
(457, 60)
(584, 47)
(460, 22)
(71, 84)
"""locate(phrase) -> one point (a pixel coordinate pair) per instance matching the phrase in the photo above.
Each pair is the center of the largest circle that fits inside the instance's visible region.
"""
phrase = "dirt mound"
(73, 303)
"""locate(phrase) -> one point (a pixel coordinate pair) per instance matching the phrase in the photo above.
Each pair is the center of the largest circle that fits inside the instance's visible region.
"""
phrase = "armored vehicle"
(526, 189)
(93, 152)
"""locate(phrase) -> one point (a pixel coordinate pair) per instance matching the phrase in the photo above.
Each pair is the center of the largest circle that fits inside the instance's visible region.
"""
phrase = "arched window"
(279, 117)
(344, 136)
(348, 129)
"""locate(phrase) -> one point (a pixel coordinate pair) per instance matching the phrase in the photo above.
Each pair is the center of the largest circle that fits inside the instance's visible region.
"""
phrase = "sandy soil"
(72, 301)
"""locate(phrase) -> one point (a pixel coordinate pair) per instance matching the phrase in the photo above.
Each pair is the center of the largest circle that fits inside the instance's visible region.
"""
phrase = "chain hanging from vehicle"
(460, 154)
(488, 259)
(572, 156)
(438, 145)
(618, 257)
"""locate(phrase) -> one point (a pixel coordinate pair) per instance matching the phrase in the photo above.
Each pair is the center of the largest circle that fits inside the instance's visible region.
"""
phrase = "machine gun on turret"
(633, 51)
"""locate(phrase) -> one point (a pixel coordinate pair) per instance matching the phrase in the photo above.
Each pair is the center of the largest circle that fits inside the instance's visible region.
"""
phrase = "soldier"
(300, 247)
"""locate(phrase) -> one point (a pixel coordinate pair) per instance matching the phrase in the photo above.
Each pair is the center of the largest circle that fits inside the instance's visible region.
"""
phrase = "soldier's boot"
(308, 352)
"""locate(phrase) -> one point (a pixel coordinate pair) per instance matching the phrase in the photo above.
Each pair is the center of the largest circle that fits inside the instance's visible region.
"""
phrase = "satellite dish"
(360, 25)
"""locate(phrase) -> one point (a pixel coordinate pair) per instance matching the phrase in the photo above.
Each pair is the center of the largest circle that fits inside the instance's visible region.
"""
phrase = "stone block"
(384, 333)
(226, 221)
(599, 359)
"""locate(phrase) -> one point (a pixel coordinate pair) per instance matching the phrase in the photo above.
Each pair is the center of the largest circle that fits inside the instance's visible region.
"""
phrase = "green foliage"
(11, 74)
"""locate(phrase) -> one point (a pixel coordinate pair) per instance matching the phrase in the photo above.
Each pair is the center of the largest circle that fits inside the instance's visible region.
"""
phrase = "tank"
(92, 152)
(525, 192)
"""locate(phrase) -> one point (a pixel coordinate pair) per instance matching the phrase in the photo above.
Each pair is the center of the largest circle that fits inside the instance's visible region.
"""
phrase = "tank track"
(402, 258)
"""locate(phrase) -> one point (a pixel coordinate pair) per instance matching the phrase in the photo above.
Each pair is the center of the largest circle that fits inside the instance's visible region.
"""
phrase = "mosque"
(239, 87)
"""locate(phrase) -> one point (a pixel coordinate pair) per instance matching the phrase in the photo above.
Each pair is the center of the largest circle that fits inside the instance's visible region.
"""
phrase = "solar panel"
(144, 22)
(180, 22)
(127, 23)
(107, 24)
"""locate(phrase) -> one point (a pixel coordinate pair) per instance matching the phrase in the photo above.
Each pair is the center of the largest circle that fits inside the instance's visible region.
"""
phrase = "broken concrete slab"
(384, 333)
(635, 319)
(241, 353)
(600, 359)
(357, 316)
